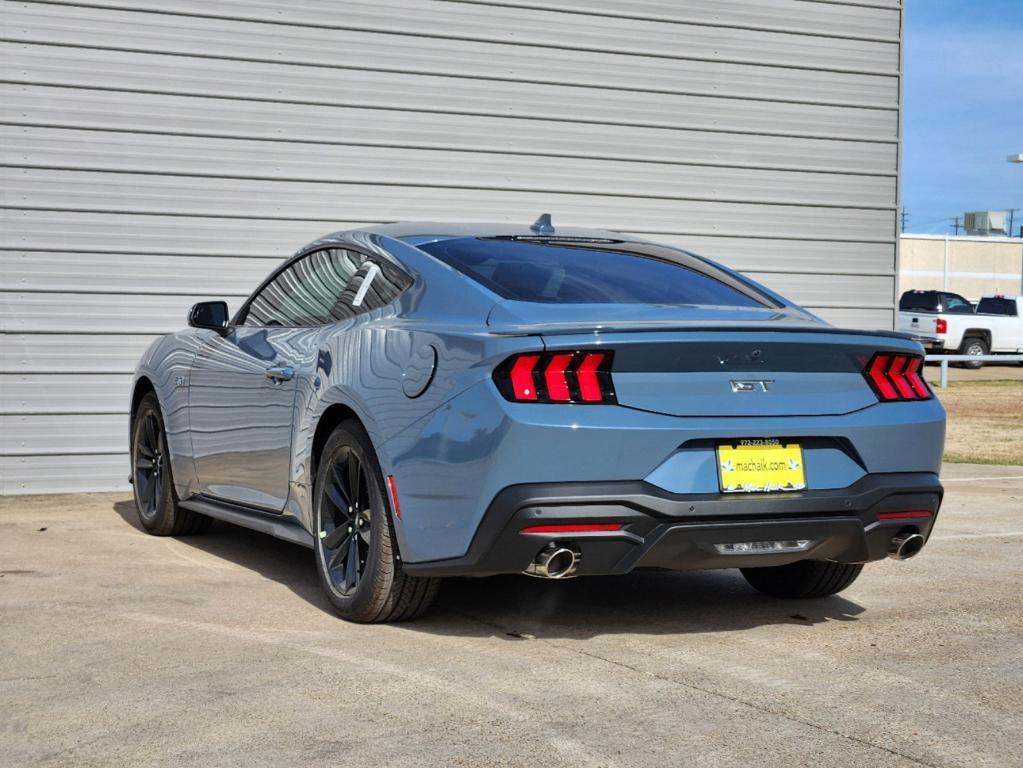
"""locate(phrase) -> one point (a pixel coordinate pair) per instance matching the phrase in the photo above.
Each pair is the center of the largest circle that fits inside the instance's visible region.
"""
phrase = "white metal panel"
(740, 145)
(360, 51)
(37, 312)
(159, 149)
(138, 274)
(878, 20)
(63, 474)
(551, 28)
(72, 353)
(52, 393)
(305, 201)
(62, 434)
(259, 81)
(33, 147)
(133, 232)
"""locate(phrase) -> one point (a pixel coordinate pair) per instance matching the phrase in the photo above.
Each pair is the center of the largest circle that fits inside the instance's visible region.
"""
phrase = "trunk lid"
(716, 362)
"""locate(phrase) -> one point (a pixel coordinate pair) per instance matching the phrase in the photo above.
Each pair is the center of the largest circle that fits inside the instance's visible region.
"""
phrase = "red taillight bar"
(574, 528)
(583, 376)
(895, 377)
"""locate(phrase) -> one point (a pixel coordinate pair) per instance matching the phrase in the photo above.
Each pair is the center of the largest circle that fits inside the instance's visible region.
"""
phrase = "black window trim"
(243, 311)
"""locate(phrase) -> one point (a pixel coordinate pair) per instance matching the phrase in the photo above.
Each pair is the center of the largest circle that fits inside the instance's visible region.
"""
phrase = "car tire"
(973, 346)
(152, 483)
(356, 550)
(802, 579)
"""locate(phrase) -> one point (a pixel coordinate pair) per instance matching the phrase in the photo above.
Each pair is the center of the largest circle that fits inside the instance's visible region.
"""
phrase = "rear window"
(919, 301)
(997, 307)
(591, 273)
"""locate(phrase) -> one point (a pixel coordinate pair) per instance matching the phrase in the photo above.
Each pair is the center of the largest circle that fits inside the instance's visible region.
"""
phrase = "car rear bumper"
(680, 532)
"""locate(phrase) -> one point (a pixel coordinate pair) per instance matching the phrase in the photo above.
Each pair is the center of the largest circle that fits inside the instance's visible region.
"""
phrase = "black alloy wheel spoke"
(345, 522)
(354, 479)
(336, 491)
(334, 539)
(149, 464)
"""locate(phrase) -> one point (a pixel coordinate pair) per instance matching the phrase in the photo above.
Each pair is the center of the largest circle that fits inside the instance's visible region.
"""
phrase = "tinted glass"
(997, 307)
(308, 292)
(383, 286)
(561, 273)
(919, 301)
(957, 305)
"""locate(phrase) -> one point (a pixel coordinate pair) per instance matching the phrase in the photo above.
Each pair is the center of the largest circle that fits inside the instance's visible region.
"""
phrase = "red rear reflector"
(574, 528)
(392, 486)
(522, 377)
(557, 381)
(941, 325)
(557, 377)
(895, 377)
(909, 514)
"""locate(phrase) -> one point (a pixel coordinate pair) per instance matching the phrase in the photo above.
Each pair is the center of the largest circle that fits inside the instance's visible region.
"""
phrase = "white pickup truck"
(996, 326)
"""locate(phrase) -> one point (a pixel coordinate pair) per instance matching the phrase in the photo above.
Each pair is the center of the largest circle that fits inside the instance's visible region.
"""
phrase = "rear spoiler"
(570, 329)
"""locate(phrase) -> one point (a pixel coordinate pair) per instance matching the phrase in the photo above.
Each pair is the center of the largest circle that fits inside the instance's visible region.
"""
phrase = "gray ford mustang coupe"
(415, 401)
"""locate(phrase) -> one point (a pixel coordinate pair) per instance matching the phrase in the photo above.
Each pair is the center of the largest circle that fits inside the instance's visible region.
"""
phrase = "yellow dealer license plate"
(761, 466)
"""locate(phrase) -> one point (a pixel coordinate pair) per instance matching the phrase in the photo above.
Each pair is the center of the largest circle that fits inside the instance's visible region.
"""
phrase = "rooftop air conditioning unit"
(985, 223)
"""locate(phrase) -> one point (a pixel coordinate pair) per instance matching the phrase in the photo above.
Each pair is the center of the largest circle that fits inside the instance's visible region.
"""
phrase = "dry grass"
(985, 422)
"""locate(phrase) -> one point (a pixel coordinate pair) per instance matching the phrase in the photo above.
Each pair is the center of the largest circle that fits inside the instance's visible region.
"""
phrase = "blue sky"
(963, 109)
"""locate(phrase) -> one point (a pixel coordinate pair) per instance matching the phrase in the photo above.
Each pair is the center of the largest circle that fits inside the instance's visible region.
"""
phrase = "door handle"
(280, 373)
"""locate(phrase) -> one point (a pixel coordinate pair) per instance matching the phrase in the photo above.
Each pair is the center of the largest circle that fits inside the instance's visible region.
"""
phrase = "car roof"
(416, 232)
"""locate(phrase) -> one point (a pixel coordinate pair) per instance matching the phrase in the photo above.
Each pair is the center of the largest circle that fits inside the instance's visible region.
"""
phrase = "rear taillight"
(941, 325)
(557, 377)
(896, 377)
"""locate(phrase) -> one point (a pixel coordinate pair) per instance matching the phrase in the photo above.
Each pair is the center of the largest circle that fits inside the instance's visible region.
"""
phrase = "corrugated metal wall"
(157, 153)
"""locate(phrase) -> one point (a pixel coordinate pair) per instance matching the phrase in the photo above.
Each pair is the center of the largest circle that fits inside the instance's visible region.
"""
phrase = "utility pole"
(904, 217)
(956, 223)
(1011, 212)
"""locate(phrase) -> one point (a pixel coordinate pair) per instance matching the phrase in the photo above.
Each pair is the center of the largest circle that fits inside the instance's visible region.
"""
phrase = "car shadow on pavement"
(519, 607)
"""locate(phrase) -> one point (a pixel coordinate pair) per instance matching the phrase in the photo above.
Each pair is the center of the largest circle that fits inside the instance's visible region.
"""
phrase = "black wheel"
(152, 483)
(356, 553)
(973, 346)
(805, 578)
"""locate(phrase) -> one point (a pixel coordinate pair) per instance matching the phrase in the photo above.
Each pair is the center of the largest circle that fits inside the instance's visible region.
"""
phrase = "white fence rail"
(946, 359)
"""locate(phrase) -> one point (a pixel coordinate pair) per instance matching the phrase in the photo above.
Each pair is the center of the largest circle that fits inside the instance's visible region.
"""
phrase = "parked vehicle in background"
(935, 301)
(940, 322)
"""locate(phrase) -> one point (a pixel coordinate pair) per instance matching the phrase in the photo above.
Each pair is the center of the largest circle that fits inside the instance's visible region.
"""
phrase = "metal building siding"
(153, 154)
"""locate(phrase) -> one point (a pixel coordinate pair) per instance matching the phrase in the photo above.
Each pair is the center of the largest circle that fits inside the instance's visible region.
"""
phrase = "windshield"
(590, 273)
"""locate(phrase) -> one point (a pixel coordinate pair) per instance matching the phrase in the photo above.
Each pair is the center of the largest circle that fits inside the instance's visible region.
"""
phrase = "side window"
(956, 304)
(309, 292)
(375, 285)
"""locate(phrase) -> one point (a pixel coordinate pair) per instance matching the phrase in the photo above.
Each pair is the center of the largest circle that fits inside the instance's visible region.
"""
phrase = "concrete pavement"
(119, 648)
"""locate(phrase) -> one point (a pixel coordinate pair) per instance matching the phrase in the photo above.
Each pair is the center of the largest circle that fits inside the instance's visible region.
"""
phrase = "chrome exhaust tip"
(555, 562)
(905, 545)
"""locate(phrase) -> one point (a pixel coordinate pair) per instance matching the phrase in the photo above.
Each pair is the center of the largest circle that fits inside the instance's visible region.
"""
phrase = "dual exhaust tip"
(555, 561)
(561, 561)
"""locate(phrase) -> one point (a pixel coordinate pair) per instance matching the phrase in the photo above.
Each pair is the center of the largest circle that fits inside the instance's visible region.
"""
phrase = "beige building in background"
(970, 266)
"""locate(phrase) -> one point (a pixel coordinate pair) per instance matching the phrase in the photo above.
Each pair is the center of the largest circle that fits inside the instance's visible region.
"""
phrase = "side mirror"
(211, 315)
